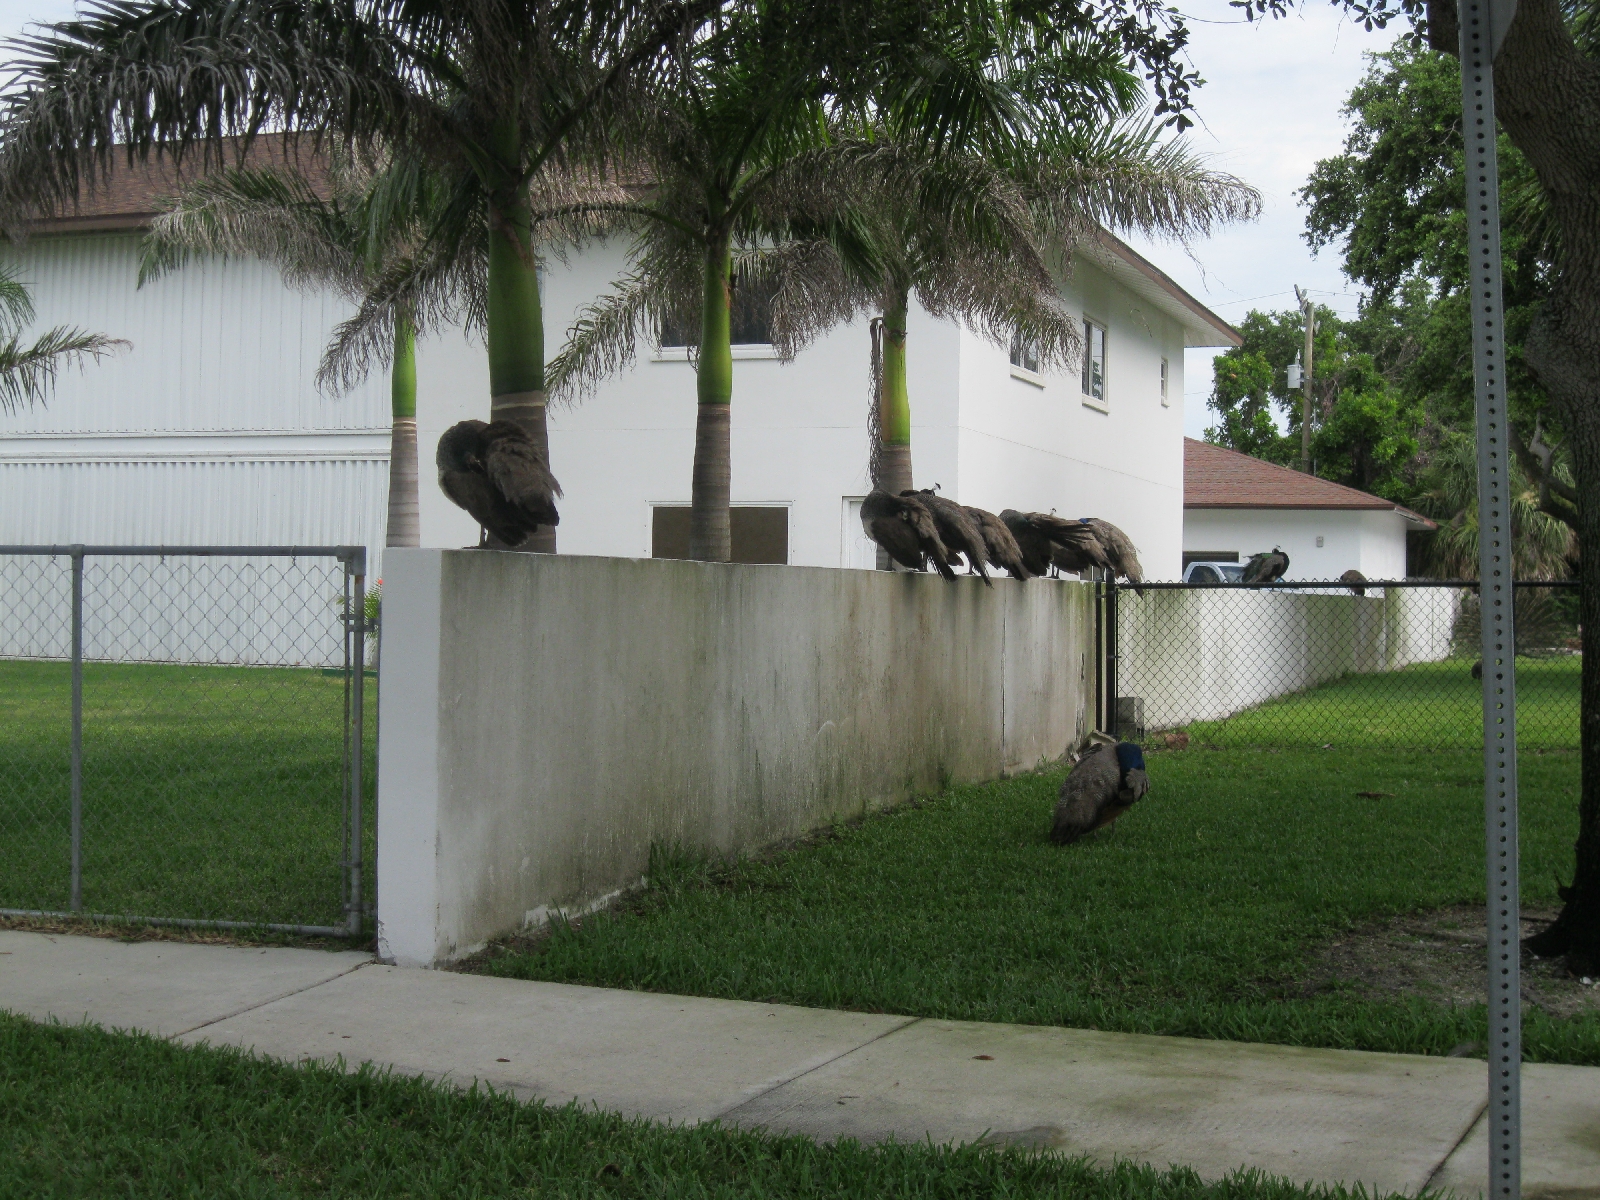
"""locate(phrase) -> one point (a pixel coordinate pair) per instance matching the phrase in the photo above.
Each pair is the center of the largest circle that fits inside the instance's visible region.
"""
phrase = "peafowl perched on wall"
(1106, 782)
(956, 529)
(905, 529)
(999, 541)
(495, 472)
(1265, 567)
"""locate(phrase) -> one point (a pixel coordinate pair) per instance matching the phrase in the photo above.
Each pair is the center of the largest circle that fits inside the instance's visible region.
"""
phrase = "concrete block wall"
(545, 719)
(1203, 655)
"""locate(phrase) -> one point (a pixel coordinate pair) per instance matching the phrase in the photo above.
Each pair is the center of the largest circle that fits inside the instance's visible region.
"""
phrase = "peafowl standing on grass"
(1105, 783)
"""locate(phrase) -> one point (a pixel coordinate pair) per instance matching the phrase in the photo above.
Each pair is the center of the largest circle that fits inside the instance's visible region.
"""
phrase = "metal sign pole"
(1483, 26)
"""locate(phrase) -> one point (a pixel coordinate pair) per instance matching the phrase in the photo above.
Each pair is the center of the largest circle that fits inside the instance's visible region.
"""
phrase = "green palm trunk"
(516, 330)
(709, 527)
(516, 338)
(894, 404)
(405, 528)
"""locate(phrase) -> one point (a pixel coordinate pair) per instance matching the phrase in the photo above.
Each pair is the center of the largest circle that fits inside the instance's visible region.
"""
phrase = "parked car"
(1213, 572)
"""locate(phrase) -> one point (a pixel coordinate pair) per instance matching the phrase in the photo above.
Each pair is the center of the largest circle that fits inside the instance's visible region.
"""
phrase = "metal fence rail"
(182, 735)
(1313, 664)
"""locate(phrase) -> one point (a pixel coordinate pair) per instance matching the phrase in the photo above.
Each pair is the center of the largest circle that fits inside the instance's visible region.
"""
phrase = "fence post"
(1113, 651)
(76, 904)
(357, 566)
(1483, 25)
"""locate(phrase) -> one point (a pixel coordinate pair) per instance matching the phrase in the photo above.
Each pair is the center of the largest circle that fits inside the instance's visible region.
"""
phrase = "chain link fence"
(183, 735)
(1316, 665)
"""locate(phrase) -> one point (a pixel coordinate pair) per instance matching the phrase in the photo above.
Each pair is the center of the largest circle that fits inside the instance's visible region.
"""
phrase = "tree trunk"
(710, 535)
(894, 408)
(1547, 97)
(405, 526)
(516, 336)
(1567, 362)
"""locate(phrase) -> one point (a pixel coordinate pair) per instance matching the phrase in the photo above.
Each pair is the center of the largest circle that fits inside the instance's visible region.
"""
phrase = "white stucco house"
(210, 429)
(1235, 505)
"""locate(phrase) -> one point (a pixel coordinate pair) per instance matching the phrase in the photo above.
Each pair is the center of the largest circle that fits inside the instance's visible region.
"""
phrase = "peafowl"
(905, 529)
(1000, 543)
(497, 474)
(1265, 567)
(1105, 783)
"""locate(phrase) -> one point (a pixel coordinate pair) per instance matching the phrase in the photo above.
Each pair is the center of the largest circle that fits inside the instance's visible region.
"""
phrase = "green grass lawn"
(1199, 913)
(1429, 705)
(86, 1113)
(209, 792)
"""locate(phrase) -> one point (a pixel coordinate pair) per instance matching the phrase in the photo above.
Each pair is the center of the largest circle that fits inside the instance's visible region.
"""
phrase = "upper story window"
(749, 318)
(1094, 361)
(1165, 402)
(1024, 353)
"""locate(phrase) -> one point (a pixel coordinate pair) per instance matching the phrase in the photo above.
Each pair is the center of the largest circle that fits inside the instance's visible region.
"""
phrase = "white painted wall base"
(547, 718)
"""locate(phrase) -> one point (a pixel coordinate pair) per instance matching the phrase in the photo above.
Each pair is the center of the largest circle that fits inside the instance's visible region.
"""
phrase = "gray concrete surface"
(1560, 1138)
(1392, 1122)
(163, 987)
(1383, 1120)
(668, 1058)
(547, 718)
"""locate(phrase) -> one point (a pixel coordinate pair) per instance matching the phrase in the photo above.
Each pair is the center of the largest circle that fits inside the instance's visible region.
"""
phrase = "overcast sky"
(1268, 111)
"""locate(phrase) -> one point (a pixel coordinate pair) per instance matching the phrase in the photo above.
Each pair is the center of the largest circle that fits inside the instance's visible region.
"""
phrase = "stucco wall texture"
(545, 719)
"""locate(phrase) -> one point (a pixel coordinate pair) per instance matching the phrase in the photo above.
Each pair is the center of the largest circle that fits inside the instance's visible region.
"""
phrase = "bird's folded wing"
(517, 471)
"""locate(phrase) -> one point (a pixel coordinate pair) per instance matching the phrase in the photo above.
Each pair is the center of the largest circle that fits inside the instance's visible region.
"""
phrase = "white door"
(857, 551)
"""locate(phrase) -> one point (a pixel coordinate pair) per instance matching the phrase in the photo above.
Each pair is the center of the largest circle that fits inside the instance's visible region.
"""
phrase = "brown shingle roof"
(128, 196)
(1214, 477)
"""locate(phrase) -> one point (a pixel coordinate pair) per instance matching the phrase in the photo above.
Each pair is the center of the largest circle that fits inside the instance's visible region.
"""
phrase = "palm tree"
(1029, 202)
(28, 372)
(362, 226)
(501, 97)
(1542, 546)
(750, 183)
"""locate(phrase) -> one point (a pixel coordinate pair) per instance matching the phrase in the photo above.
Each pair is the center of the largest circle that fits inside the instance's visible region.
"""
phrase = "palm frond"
(16, 306)
(276, 215)
(604, 338)
(28, 373)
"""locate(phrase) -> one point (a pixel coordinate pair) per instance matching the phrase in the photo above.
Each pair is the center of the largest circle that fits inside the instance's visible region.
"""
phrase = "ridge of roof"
(1216, 477)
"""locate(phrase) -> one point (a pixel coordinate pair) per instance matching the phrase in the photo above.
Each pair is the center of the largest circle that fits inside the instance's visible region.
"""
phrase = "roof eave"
(1201, 326)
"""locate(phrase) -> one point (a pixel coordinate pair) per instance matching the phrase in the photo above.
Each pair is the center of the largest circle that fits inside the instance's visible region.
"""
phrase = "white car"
(1213, 572)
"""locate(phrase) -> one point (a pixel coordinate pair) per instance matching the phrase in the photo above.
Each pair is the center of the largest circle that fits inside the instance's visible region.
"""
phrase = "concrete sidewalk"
(1392, 1122)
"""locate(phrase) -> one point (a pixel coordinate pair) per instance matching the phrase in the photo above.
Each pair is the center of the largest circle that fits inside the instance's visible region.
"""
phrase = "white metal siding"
(234, 503)
(221, 344)
(176, 609)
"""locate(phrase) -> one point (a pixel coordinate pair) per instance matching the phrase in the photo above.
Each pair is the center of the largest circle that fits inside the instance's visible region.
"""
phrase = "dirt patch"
(1441, 955)
(130, 932)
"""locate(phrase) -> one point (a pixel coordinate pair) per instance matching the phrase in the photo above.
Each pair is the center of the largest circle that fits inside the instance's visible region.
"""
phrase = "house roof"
(1214, 477)
(1201, 326)
(129, 195)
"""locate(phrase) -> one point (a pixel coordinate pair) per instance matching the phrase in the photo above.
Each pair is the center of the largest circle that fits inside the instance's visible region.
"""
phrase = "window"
(1165, 403)
(759, 534)
(1024, 353)
(1094, 361)
(749, 318)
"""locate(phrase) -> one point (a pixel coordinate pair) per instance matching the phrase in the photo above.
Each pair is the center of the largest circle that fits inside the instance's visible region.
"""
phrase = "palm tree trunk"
(710, 538)
(516, 335)
(405, 526)
(894, 409)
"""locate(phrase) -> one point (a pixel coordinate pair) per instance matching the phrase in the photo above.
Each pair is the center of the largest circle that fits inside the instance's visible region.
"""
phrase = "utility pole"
(1309, 312)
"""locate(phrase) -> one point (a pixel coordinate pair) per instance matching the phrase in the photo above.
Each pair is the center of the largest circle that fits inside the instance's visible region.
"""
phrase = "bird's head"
(461, 447)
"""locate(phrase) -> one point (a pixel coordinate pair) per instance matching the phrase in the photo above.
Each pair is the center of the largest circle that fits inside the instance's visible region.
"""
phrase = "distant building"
(210, 428)
(1235, 505)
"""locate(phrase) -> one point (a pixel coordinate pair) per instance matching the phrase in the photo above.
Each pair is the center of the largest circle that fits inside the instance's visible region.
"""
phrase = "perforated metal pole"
(76, 902)
(1483, 26)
